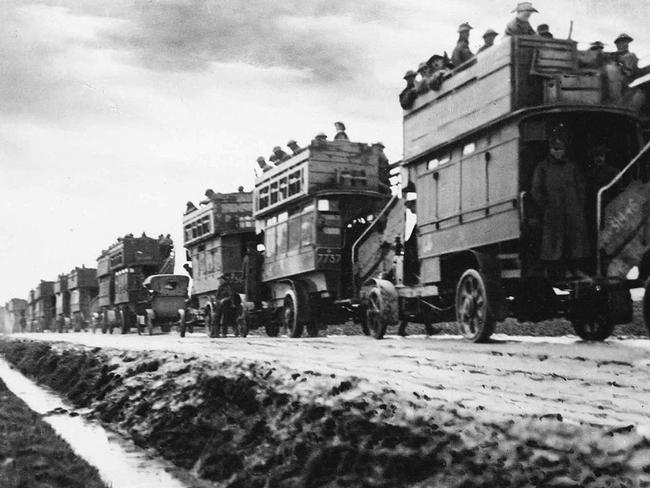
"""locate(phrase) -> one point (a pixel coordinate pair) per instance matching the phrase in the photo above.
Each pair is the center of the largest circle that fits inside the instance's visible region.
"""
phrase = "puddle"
(120, 463)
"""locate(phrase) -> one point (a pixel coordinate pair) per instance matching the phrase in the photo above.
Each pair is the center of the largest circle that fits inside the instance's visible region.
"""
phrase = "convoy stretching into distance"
(499, 169)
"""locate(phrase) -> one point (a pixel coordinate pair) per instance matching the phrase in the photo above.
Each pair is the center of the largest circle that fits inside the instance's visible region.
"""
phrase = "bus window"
(294, 232)
(306, 230)
(269, 241)
(281, 231)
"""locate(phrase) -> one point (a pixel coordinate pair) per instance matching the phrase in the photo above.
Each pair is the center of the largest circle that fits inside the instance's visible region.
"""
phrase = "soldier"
(320, 137)
(409, 94)
(520, 25)
(212, 197)
(626, 60)
(544, 31)
(295, 148)
(594, 57)
(280, 155)
(462, 52)
(190, 207)
(488, 40)
(264, 166)
(340, 132)
(559, 191)
(422, 86)
(439, 70)
(600, 171)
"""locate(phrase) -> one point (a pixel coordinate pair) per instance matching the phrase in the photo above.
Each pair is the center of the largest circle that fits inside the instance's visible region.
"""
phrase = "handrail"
(599, 198)
(392, 200)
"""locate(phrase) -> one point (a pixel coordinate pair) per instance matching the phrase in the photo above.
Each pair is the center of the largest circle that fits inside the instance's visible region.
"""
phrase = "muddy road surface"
(604, 384)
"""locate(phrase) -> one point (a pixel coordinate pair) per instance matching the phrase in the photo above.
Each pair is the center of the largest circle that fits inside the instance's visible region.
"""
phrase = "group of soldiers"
(279, 156)
(431, 74)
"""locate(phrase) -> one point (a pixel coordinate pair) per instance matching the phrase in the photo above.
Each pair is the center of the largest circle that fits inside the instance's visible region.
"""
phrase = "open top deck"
(521, 73)
(226, 213)
(327, 165)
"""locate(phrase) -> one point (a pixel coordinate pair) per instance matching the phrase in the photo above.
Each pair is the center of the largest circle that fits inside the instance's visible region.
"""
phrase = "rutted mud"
(255, 424)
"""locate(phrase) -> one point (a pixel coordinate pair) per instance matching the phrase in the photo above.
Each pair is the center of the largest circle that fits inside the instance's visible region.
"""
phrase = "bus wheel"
(596, 328)
(472, 307)
(289, 317)
(376, 323)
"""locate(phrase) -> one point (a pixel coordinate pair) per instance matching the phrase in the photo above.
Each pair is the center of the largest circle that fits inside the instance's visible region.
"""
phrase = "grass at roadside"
(33, 455)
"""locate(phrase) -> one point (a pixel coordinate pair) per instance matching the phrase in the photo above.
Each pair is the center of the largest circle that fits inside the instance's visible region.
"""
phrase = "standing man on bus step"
(520, 25)
(462, 53)
(559, 191)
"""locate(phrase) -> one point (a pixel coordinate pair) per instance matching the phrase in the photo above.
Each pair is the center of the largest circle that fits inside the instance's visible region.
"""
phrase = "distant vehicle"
(121, 271)
(164, 305)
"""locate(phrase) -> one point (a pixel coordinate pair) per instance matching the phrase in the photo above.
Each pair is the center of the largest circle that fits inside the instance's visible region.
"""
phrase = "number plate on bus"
(328, 257)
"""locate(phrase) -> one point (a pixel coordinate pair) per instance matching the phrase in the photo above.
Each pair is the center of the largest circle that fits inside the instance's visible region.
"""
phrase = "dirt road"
(593, 383)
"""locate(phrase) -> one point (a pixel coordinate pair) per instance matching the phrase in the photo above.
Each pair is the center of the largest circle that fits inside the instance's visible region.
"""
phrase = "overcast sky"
(114, 113)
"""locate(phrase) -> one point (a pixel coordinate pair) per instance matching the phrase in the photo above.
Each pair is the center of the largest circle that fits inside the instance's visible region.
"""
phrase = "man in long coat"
(559, 191)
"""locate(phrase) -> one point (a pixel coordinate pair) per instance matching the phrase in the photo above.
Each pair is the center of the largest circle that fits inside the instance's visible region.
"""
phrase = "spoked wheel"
(596, 328)
(375, 322)
(289, 317)
(472, 308)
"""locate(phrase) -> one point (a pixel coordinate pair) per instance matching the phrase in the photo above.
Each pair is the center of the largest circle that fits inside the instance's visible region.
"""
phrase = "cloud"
(190, 35)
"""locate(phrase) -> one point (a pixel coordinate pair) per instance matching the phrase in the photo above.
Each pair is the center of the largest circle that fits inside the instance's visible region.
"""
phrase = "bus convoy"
(324, 238)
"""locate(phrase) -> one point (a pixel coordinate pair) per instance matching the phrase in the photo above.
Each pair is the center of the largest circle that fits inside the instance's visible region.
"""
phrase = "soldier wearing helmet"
(626, 60)
(280, 155)
(409, 94)
(488, 40)
(293, 145)
(462, 53)
(520, 25)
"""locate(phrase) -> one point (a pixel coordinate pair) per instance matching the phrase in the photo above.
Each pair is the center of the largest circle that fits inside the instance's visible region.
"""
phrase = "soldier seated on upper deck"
(190, 207)
(408, 95)
(212, 196)
(341, 135)
(295, 148)
(280, 155)
(520, 25)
